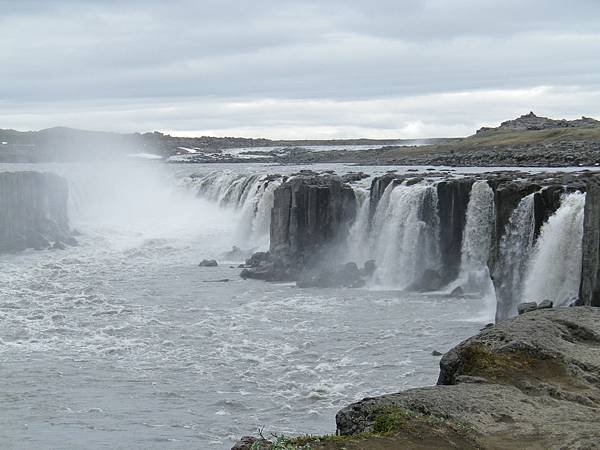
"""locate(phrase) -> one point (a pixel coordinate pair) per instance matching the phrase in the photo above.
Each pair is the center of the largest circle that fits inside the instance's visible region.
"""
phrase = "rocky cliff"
(311, 216)
(33, 209)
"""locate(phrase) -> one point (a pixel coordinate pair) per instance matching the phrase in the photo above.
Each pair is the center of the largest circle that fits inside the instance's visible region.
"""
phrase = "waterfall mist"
(129, 204)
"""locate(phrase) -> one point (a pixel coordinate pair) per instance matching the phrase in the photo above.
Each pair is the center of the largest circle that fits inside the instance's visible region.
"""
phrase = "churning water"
(123, 342)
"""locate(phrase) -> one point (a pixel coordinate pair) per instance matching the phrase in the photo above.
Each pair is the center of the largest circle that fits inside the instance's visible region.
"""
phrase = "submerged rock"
(58, 246)
(347, 275)
(528, 382)
(208, 263)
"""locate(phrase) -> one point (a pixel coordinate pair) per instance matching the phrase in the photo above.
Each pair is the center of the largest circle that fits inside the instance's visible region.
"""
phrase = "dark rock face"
(589, 292)
(311, 214)
(34, 211)
(453, 199)
(267, 267)
(346, 275)
(529, 382)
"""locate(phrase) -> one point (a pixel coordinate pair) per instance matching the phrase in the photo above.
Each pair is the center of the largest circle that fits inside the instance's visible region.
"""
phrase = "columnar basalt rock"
(33, 211)
(589, 292)
(509, 189)
(311, 215)
(453, 200)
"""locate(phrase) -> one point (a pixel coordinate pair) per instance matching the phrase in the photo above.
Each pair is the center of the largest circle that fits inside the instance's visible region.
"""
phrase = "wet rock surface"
(529, 382)
(345, 275)
(208, 263)
(311, 214)
(34, 211)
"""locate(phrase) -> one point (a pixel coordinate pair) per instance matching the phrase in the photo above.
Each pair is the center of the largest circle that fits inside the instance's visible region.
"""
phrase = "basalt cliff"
(34, 211)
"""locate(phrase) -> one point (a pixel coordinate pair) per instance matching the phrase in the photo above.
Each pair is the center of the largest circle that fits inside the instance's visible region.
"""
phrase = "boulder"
(347, 275)
(208, 263)
(526, 307)
(251, 443)
(545, 304)
(267, 267)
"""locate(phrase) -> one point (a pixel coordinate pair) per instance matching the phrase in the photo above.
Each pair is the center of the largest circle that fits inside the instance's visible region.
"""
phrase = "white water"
(480, 221)
(252, 194)
(358, 249)
(474, 275)
(515, 247)
(403, 244)
(554, 269)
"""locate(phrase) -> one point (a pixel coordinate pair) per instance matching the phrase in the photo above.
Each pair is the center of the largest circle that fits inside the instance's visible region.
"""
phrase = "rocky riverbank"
(532, 382)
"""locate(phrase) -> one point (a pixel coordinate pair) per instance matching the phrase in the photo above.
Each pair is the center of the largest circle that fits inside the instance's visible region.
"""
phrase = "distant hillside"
(67, 144)
(532, 122)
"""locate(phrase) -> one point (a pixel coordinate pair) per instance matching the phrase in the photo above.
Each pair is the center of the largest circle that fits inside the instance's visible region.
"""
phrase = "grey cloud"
(57, 51)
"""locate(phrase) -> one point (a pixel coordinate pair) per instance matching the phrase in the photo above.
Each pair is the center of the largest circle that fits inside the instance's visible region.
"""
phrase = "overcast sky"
(296, 69)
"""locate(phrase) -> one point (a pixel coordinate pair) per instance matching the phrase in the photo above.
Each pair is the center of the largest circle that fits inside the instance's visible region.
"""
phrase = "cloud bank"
(304, 68)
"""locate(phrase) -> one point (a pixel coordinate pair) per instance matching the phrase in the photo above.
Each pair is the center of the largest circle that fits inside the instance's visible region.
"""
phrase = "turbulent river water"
(124, 342)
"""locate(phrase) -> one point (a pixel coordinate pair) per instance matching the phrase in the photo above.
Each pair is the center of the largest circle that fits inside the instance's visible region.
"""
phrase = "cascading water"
(477, 240)
(404, 238)
(255, 223)
(515, 247)
(554, 269)
(359, 232)
(474, 275)
(252, 195)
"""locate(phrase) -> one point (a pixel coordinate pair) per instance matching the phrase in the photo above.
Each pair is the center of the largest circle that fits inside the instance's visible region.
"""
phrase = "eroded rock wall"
(589, 291)
(33, 210)
(311, 215)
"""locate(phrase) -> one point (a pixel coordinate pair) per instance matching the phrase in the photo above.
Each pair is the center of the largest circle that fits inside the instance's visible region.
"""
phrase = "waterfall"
(358, 249)
(404, 238)
(554, 269)
(251, 195)
(224, 188)
(255, 221)
(477, 238)
(515, 247)
(474, 274)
